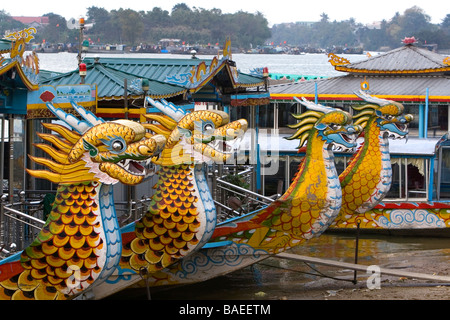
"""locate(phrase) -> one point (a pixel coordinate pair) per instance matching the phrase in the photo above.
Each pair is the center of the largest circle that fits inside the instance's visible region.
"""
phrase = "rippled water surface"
(308, 64)
(276, 279)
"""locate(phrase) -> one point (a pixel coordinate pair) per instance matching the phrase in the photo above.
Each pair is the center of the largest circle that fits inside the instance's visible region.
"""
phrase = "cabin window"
(409, 179)
(13, 154)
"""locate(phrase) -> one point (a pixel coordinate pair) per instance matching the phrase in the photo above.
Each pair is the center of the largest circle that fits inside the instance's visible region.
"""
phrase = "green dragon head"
(198, 136)
(388, 115)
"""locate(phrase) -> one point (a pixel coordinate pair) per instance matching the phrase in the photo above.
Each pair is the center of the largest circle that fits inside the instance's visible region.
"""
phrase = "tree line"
(246, 30)
(388, 35)
(130, 27)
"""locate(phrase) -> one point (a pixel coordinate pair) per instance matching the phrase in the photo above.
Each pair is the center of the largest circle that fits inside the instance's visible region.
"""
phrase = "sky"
(278, 11)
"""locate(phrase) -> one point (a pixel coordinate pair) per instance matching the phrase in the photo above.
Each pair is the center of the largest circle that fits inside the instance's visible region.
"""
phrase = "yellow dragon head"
(389, 115)
(195, 137)
(95, 150)
(333, 126)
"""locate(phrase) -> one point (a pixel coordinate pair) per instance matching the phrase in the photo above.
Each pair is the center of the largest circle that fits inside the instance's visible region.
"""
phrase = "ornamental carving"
(447, 61)
(336, 60)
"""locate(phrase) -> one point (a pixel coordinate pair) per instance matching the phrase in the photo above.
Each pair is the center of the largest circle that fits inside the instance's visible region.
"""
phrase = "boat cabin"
(420, 167)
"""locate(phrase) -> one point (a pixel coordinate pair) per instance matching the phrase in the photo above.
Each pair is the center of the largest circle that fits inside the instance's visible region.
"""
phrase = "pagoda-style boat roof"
(110, 83)
(403, 74)
(5, 46)
(406, 60)
(168, 77)
(19, 72)
(121, 79)
(410, 89)
(174, 71)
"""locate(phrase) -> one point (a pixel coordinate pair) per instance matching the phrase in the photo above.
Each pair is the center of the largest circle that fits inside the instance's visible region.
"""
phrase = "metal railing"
(236, 200)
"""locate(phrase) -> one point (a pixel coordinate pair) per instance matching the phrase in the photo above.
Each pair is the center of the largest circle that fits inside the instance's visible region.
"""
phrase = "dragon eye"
(389, 117)
(208, 127)
(117, 146)
(334, 126)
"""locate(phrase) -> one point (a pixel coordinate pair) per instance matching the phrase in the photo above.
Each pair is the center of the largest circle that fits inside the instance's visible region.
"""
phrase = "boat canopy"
(269, 143)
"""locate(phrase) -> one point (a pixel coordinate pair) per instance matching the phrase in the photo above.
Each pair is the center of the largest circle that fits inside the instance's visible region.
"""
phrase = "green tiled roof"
(162, 68)
(168, 77)
(5, 45)
(154, 69)
(110, 83)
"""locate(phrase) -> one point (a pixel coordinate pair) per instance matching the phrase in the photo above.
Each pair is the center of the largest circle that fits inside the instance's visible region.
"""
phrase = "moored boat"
(306, 210)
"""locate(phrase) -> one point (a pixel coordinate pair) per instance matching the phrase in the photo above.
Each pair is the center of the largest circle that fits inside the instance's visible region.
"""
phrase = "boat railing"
(236, 199)
(22, 220)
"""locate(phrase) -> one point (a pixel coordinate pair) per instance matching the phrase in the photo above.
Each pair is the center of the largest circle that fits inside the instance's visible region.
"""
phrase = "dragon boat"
(393, 183)
(81, 253)
(80, 244)
(394, 186)
(169, 246)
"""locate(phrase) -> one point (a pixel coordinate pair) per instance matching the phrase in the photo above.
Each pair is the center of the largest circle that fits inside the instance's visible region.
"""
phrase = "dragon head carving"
(334, 126)
(198, 136)
(389, 115)
(95, 150)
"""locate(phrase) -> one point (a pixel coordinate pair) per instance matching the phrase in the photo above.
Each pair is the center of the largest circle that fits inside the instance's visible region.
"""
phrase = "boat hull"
(205, 264)
(417, 218)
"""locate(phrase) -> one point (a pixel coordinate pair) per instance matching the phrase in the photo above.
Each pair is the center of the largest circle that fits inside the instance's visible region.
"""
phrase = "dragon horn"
(73, 122)
(87, 115)
(313, 106)
(168, 108)
(368, 98)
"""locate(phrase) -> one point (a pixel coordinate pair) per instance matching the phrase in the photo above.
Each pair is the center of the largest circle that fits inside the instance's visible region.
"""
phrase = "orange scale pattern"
(66, 249)
(365, 176)
(169, 228)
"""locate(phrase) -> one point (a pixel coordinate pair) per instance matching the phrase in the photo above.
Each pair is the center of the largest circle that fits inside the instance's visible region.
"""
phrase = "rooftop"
(168, 77)
(402, 74)
(407, 59)
(30, 20)
(411, 88)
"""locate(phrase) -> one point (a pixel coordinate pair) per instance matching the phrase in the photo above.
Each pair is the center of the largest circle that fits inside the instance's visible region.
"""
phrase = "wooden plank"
(360, 267)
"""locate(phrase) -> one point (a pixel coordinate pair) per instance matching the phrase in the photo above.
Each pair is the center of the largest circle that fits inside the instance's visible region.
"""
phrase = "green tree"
(56, 31)
(245, 28)
(8, 24)
(131, 25)
(445, 25)
(414, 20)
(104, 28)
(183, 15)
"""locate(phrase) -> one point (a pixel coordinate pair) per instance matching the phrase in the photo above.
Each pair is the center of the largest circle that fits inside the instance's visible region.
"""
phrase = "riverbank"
(268, 282)
(282, 279)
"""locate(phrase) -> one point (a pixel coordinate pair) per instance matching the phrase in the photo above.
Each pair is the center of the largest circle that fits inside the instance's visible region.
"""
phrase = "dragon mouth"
(222, 146)
(403, 128)
(397, 131)
(347, 138)
(132, 167)
(347, 144)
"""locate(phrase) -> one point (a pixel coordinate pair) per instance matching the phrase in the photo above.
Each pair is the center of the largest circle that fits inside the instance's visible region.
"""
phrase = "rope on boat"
(358, 267)
(319, 273)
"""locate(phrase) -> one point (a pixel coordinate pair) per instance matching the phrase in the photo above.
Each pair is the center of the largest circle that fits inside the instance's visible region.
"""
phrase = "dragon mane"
(366, 111)
(306, 122)
(61, 169)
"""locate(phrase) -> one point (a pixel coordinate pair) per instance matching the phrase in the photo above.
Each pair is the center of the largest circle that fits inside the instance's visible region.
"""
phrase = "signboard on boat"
(62, 96)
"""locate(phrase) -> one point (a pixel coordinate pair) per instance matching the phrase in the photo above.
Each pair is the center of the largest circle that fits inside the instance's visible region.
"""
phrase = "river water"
(278, 279)
(274, 278)
(308, 64)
